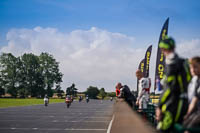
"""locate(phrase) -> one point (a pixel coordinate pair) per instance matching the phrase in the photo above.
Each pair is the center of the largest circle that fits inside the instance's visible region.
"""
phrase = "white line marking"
(82, 121)
(110, 125)
(15, 120)
(87, 117)
(53, 129)
(85, 121)
(36, 116)
(74, 112)
(86, 129)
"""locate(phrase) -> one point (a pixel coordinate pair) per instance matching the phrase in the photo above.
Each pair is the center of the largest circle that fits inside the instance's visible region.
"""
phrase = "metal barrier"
(148, 114)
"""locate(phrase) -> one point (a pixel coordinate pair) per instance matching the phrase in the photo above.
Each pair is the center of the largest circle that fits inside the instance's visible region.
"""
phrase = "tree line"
(92, 92)
(29, 75)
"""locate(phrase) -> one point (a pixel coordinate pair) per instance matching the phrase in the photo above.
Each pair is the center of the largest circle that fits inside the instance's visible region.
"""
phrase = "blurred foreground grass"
(10, 102)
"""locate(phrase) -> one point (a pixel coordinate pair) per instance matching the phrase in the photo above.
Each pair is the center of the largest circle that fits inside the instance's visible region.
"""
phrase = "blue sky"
(138, 19)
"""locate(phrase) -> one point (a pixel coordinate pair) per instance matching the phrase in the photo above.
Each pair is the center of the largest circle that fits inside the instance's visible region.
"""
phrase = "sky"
(98, 42)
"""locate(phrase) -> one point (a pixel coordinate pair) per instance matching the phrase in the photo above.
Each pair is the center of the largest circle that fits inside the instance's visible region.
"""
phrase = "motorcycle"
(111, 98)
(46, 101)
(68, 102)
(80, 99)
(87, 100)
(72, 100)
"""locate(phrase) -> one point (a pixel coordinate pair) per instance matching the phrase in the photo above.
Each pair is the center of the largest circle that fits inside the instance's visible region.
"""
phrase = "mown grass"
(9, 102)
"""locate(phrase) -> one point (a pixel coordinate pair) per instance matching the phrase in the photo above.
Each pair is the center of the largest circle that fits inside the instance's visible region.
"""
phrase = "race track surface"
(81, 117)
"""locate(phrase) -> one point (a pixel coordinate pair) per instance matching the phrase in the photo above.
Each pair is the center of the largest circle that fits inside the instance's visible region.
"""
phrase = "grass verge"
(8, 102)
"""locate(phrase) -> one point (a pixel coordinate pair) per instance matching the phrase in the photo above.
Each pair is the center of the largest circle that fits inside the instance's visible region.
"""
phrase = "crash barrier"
(125, 120)
(147, 114)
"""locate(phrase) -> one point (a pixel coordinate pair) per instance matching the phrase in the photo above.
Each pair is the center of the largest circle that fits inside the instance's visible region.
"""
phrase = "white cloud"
(91, 57)
(87, 57)
(189, 49)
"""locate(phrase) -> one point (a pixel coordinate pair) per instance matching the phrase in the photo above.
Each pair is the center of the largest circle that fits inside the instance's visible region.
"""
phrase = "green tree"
(31, 78)
(59, 91)
(29, 74)
(102, 93)
(9, 73)
(2, 92)
(92, 92)
(50, 72)
(23, 90)
(111, 94)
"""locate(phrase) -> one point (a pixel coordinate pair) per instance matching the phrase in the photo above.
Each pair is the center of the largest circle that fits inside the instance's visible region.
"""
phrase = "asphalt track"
(92, 117)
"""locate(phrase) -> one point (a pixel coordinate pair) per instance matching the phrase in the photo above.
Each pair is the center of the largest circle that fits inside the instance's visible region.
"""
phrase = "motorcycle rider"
(87, 98)
(111, 98)
(80, 98)
(46, 100)
(125, 93)
(68, 100)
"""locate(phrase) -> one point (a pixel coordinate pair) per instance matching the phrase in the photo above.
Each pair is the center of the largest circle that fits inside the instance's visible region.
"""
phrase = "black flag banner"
(147, 61)
(141, 68)
(160, 61)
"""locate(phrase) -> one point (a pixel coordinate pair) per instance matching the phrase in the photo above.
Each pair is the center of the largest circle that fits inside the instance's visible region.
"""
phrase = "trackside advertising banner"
(147, 61)
(141, 68)
(160, 61)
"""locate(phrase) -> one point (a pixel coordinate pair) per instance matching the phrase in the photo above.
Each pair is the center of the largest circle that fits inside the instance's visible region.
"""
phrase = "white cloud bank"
(88, 57)
(188, 49)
